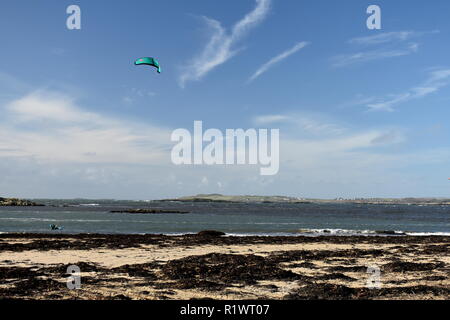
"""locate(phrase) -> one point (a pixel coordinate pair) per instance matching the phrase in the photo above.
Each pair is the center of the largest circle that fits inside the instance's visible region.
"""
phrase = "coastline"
(219, 198)
(33, 266)
(232, 199)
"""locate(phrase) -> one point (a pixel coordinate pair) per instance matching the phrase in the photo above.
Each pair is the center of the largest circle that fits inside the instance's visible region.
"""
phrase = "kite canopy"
(149, 62)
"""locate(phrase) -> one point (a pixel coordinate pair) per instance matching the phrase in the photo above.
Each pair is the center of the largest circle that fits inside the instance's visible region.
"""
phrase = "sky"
(361, 113)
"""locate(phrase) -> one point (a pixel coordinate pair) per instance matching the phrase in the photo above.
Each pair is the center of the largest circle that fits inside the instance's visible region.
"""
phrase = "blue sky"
(361, 112)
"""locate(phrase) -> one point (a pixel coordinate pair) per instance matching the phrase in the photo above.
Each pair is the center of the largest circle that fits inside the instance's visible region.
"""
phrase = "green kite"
(149, 62)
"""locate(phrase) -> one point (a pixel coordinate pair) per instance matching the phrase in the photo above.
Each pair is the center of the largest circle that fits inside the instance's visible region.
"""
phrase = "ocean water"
(232, 218)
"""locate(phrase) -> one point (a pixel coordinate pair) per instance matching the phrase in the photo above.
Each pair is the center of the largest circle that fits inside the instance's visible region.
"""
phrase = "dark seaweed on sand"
(226, 268)
(223, 273)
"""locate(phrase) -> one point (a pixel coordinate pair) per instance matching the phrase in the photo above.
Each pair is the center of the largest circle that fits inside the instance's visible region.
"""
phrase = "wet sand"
(34, 266)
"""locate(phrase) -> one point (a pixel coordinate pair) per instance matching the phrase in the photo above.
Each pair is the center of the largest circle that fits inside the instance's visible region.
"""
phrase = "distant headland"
(239, 199)
(219, 198)
(283, 199)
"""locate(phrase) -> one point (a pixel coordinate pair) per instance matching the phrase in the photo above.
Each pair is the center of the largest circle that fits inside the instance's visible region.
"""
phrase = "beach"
(213, 266)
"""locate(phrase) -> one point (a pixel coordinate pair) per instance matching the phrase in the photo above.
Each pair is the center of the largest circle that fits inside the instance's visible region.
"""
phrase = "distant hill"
(247, 198)
(283, 199)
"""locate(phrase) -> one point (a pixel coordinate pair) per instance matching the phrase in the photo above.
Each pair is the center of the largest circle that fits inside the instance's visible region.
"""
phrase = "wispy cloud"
(436, 80)
(132, 95)
(388, 37)
(360, 57)
(270, 119)
(286, 54)
(389, 45)
(221, 46)
(301, 123)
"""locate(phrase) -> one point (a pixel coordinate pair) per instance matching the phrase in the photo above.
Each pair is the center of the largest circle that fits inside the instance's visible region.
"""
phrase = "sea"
(239, 219)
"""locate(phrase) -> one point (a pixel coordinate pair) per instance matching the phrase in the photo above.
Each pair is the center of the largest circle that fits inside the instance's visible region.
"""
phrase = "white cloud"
(393, 44)
(328, 135)
(269, 119)
(388, 37)
(436, 80)
(438, 75)
(52, 147)
(221, 46)
(52, 128)
(360, 57)
(265, 67)
(301, 123)
(50, 107)
(142, 93)
(347, 143)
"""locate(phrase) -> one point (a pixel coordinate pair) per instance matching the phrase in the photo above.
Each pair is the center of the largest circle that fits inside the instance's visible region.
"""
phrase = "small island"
(14, 202)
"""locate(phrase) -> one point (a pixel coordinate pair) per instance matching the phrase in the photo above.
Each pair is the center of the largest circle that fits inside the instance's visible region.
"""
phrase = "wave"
(340, 232)
(428, 234)
(346, 232)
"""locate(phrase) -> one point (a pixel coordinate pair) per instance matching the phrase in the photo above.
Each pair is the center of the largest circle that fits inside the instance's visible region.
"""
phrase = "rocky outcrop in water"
(210, 233)
(13, 202)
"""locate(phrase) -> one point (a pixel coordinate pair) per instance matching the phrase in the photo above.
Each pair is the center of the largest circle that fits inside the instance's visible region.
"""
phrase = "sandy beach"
(148, 267)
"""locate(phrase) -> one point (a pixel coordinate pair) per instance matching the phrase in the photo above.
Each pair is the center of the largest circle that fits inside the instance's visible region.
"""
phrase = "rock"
(390, 233)
(13, 202)
(210, 233)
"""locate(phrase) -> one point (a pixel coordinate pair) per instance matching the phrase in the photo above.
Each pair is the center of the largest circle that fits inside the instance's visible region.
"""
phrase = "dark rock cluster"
(13, 202)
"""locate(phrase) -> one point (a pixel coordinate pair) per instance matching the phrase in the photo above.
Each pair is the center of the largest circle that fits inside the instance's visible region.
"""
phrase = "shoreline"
(149, 267)
(229, 199)
(312, 234)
